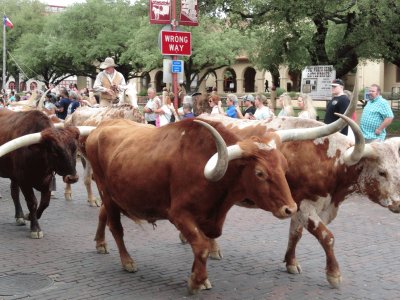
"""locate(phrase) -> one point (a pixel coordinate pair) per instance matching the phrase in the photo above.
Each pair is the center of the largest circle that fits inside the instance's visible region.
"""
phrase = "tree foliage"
(302, 32)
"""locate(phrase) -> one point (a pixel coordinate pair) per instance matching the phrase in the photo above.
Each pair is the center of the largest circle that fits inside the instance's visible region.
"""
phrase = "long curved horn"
(41, 101)
(317, 132)
(217, 165)
(22, 141)
(355, 153)
(59, 125)
(85, 130)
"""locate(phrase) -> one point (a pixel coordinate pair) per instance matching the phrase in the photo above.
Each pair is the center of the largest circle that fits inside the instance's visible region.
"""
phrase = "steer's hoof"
(36, 234)
(194, 290)
(293, 269)
(130, 267)
(94, 203)
(217, 255)
(102, 249)
(68, 196)
(182, 238)
(20, 221)
(334, 280)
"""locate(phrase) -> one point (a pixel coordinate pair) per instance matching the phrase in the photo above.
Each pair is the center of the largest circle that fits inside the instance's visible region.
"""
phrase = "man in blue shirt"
(376, 116)
(231, 102)
(62, 105)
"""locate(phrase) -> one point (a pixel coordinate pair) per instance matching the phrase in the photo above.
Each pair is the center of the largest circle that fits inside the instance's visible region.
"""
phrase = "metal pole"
(174, 75)
(4, 55)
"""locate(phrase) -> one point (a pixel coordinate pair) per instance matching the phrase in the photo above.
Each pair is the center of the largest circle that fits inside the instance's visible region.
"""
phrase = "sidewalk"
(65, 265)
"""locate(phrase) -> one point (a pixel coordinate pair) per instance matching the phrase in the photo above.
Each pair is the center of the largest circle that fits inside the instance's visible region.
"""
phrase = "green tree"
(27, 16)
(302, 32)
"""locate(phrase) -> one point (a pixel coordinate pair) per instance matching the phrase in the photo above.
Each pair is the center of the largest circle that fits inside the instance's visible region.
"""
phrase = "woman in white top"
(215, 103)
(262, 112)
(166, 110)
(307, 107)
(286, 103)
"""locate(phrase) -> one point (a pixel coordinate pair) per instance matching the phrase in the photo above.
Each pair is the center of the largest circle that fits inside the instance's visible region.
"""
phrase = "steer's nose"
(71, 178)
(288, 211)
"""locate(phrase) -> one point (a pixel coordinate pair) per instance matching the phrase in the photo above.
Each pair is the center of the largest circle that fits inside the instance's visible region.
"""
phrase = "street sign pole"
(174, 75)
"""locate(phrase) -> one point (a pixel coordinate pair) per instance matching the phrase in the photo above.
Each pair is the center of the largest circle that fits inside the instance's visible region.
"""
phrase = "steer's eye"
(260, 174)
(382, 174)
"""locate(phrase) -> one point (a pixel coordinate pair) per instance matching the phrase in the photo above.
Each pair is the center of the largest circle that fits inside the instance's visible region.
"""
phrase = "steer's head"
(380, 174)
(259, 170)
(263, 177)
(61, 146)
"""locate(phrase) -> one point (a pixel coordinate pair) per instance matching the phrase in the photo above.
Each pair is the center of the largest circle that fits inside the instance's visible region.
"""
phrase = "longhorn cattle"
(51, 151)
(322, 173)
(157, 173)
(92, 116)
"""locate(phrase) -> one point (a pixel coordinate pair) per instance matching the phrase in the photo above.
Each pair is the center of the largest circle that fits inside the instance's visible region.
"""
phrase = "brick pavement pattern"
(253, 243)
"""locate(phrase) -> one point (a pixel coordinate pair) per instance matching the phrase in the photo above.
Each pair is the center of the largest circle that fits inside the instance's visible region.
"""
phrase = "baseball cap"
(248, 97)
(337, 82)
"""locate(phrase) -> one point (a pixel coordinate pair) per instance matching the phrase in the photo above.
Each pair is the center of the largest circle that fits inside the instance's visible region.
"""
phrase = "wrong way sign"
(176, 43)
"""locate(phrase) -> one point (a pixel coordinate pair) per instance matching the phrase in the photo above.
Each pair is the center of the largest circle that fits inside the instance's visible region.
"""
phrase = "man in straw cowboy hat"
(109, 82)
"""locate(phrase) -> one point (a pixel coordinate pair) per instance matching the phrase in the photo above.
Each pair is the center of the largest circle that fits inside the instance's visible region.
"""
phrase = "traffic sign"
(177, 66)
(176, 43)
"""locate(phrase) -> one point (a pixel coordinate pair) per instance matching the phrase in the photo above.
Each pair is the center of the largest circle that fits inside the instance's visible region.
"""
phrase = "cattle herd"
(299, 169)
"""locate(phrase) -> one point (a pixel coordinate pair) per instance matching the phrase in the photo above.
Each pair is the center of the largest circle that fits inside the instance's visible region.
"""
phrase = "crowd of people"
(376, 116)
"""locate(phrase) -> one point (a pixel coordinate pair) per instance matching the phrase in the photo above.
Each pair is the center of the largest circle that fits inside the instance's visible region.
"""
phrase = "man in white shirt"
(109, 82)
(152, 104)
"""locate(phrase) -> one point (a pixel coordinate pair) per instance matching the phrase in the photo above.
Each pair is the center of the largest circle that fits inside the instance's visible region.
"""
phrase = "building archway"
(158, 79)
(249, 76)
(210, 81)
(230, 84)
(145, 81)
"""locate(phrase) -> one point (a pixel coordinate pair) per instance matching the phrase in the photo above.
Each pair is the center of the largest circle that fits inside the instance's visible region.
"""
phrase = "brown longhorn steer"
(52, 151)
(321, 174)
(153, 173)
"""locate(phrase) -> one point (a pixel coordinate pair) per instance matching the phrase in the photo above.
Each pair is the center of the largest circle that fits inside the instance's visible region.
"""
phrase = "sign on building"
(176, 43)
(189, 13)
(159, 11)
(316, 81)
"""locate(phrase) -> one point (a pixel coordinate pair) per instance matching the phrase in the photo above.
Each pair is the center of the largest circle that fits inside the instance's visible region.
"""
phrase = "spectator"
(73, 96)
(376, 116)
(109, 82)
(266, 86)
(250, 109)
(62, 104)
(216, 105)
(307, 110)
(338, 104)
(231, 102)
(49, 104)
(187, 111)
(12, 96)
(262, 112)
(153, 103)
(166, 111)
(285, 102)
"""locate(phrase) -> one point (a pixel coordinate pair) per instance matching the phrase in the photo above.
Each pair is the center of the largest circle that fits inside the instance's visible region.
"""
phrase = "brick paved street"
(253, 243)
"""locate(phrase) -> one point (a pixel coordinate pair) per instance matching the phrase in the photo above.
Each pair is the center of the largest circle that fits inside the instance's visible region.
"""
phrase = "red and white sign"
(176, 43)
(159, 11)
(189, 13)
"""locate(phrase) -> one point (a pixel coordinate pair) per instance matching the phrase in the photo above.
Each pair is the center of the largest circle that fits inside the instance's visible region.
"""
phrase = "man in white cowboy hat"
(109, 82)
